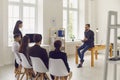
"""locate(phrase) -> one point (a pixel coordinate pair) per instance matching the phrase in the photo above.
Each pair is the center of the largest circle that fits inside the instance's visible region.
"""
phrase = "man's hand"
(82, 40)
(85, 39)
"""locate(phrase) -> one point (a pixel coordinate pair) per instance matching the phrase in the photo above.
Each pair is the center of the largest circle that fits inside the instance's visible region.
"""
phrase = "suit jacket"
(57, 54)
(37, 51)
(90, 36)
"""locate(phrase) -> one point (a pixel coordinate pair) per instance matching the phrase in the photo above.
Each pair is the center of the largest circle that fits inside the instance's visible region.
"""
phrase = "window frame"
(21, 6)
(68, 9)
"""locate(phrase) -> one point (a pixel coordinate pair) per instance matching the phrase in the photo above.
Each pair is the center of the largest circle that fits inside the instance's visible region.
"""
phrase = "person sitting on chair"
(88, 42)
(38, 51)
(24, 48)
(57, 54)
(15, 50)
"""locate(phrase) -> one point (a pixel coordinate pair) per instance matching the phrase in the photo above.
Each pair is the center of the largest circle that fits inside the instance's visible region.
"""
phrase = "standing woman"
(18, 25)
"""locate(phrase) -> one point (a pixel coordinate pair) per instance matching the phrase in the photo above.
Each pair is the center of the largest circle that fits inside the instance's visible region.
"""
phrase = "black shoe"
(82, 61)
(79, 66)
(33, 75)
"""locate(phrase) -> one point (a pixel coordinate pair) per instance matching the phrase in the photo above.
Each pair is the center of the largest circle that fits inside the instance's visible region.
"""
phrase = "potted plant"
(118, 37)
(72, 37)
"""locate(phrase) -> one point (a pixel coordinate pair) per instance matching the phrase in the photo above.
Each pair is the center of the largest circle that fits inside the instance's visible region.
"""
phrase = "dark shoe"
(82, 61)
(79, 66)
(33, 75)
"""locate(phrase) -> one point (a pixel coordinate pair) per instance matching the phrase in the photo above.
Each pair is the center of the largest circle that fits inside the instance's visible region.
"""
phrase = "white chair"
(39, 67)
(17, 58)
(58, 69)
(18, 61)
(25, 64)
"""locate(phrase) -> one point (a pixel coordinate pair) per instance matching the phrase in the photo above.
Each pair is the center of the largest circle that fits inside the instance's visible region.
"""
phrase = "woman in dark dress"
(18, 25)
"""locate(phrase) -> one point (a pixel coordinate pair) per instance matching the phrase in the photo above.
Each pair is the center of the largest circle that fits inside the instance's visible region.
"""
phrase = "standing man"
(88, 42)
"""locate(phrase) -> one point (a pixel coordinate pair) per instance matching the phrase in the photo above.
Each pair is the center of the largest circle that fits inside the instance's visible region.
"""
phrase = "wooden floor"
(85, 73)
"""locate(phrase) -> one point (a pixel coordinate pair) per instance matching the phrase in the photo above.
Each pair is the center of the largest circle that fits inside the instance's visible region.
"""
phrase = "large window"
(24, 10)
(71, 18)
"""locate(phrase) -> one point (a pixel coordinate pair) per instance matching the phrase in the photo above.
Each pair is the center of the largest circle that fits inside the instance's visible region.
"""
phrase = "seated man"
(88, 42)
(38, 51)
(57, 54)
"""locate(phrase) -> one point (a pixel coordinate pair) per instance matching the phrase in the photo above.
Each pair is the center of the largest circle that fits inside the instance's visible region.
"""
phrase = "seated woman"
(15, 50)
(57, 54)
(24, 49)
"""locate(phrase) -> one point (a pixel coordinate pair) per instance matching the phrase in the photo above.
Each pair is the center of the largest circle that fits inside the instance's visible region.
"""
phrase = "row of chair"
(56, 68)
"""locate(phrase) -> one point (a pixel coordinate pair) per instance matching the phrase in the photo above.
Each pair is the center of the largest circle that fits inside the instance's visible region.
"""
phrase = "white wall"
(70, 47)
(5, 51)
(52, 10)
(1, 34)
(5, 56)
(91, 15)
(102, 12)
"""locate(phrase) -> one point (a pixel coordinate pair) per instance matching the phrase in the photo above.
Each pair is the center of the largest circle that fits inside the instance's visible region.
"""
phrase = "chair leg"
(37, 76)
(18, 76)
(30, 73)
(56, 78)
(47, 76)
(66, 77)
(23, 75)
(62, 78)
(69, 76)
(27, 74)
(18, 72)
(20, 68)
(42, 76)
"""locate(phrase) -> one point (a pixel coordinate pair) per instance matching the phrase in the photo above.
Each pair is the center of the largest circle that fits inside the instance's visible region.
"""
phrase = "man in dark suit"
(88, 42)
(37, 51)
(57, 54)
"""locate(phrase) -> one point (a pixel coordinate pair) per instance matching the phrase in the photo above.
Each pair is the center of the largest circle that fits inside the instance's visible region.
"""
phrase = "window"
(24, 10)
(29, 1)
(71, 19)
(14, 0)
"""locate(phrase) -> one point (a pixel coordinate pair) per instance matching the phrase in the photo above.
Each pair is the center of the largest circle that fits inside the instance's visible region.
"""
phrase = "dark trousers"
(16, 65)
(52, 77)
(81, 50)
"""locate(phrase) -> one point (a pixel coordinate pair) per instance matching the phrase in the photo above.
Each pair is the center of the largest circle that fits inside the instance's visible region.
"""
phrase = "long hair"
(17, 26)
(24, 45)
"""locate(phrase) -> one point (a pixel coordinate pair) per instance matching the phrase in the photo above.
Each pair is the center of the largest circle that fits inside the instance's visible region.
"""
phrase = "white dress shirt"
(15, 50)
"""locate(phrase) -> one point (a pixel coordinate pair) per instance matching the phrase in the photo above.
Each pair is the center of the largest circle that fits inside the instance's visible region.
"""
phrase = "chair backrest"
(57, 67)
(17, 58)
(24, 62)
(38, 65)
